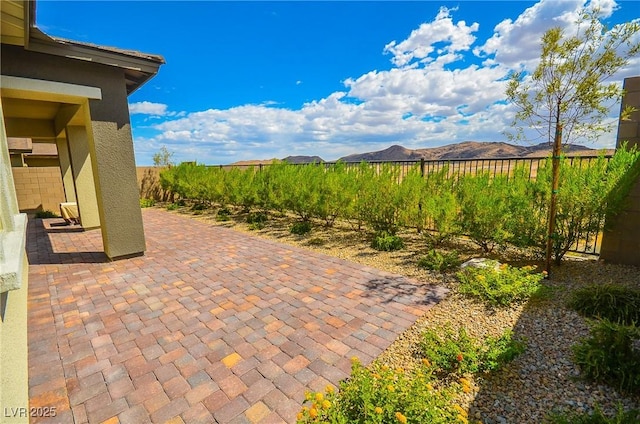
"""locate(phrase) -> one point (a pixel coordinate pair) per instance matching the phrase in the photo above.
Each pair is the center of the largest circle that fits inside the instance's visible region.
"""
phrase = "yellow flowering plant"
(379, 394)
(500, 286)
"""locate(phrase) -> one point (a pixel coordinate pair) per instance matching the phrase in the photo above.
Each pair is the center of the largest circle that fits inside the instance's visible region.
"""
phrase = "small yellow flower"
(399, 370)
(466, 388)
(313, 413)
(385, 368)
(307, 395)
(464, 381)
(354, 360)
(319, 397)
(299, 416)
(401, 418)
(481, 278)
(391, 388)
(429, 387)
(326, 404)
(329, 388)
(377, 376)
(462, 419)
(460, 410)
(378, 410)
(426, 362)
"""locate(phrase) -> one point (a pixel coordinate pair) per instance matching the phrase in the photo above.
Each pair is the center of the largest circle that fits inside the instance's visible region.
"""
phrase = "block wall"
(38, 188)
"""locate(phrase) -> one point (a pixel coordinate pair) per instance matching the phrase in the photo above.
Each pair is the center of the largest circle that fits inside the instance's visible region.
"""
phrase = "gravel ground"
(540, 380)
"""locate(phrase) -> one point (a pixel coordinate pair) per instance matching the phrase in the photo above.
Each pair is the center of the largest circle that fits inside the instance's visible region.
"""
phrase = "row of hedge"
(493, 210)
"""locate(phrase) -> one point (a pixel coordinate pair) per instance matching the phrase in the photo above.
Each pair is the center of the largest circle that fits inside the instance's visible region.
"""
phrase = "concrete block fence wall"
(38, 188)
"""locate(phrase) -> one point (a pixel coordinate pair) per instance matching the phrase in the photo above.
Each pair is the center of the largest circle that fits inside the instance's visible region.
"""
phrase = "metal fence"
(456, 167)
(587, 243)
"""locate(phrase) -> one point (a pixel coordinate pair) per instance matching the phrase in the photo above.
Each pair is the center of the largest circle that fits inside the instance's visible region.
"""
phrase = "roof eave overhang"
(138, 67)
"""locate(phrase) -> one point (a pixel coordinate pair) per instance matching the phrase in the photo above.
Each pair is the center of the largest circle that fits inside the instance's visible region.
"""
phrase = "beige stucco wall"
(622, 243)
(38, 189)
(110, 141)
(85, 184)
(14, 374)
(14, 381)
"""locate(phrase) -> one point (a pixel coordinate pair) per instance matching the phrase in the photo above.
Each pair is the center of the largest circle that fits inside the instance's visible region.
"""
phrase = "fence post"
(422, 167)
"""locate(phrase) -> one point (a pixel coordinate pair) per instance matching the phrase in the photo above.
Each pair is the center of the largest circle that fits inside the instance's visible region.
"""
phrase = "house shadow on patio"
(67, 248)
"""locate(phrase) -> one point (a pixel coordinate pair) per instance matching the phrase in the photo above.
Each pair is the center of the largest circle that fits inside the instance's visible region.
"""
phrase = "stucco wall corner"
(12, 258)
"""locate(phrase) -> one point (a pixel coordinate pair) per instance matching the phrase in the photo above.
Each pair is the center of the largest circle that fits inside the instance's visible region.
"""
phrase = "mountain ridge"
(463, 150)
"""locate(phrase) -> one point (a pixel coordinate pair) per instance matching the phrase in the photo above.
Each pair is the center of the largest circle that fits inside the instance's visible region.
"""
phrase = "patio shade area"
(211, 325)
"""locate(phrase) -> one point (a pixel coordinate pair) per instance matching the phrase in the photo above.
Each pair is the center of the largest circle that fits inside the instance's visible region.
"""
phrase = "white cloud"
(421, 43)
(148, 108)
(421, 101)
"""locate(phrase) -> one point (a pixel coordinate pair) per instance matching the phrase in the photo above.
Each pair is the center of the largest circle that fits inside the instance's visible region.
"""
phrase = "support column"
(622, 243)
(65, 169)
(82, 167)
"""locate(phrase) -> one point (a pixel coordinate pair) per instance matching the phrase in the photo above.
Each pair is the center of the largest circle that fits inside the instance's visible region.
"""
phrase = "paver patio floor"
(210, 325)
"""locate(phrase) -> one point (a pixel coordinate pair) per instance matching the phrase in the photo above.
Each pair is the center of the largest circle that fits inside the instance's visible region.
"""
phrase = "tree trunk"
(555, 184)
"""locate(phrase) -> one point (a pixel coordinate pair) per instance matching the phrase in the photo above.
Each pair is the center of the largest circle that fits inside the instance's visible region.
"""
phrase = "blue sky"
(259, 80)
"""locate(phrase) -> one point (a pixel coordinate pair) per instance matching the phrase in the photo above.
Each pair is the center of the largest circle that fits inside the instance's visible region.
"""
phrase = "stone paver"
(210, 325)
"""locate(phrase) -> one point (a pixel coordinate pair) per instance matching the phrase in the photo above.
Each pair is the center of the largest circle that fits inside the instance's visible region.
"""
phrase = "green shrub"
(448, 352)
(386, 242)
(438, 261)
(147, 203)
(500, 287)
(199, 206)
(301, 228)
(611, 355)
(256, 226)
(596, 417)
(257, 218)
(615, 303)
(485, 209)
(383, 395)
(46, 214)
(172, 206)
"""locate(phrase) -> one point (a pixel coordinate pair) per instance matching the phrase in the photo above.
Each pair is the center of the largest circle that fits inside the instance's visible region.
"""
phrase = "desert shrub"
(502, 286)
(387, 242)
(199, 206)
(611, 355)
(379, 199)
(485, 209)
(50, 214)
(336, 191)
(383, 395)
(589, 192)
(223, 214)
(435, 260)
(257, 217)
(147, 203)
(301, 228)
(449, 352)
(596, 417)
(613, 302)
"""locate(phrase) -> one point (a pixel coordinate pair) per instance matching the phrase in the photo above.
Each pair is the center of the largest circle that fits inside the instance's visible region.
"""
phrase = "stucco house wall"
(622, 243)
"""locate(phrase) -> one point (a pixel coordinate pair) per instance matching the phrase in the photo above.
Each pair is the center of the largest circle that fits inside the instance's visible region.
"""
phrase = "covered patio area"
(211, 325)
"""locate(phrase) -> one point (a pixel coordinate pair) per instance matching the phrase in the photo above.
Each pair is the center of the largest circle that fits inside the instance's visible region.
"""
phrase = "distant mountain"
(466, 150)
(303, 159)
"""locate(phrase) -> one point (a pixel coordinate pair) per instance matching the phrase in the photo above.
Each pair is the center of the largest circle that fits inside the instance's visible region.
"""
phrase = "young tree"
(163, 157)
(568, 97)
